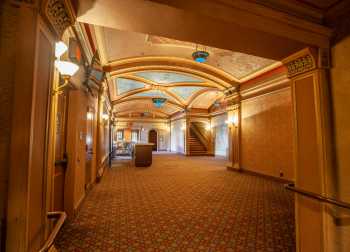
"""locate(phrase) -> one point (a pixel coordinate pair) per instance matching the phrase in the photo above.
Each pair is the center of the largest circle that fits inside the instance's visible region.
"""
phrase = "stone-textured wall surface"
(267, 134)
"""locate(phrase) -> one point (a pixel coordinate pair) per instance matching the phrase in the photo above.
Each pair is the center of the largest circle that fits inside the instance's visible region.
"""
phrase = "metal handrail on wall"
(61, 217)
(316, 196)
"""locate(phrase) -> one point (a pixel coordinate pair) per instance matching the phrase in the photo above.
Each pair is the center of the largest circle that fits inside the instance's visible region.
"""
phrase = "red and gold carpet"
(182, 204)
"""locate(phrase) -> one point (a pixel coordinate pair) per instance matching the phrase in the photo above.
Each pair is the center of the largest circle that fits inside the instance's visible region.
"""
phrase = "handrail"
(61, 217)
(316, 196)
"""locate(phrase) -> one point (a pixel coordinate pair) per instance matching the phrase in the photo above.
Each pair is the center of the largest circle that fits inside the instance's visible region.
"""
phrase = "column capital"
(306, 60)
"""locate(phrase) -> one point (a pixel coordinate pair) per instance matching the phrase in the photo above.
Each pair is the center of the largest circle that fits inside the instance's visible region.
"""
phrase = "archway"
(153, 138)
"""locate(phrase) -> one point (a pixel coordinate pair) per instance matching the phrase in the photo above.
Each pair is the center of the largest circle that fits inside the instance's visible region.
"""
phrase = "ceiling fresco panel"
(185, 92)
(167, 77)
(125, 85)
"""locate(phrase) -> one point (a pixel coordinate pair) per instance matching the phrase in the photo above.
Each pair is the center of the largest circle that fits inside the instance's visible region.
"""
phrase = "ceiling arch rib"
(161, 113)
(204, 71)
(199, 93)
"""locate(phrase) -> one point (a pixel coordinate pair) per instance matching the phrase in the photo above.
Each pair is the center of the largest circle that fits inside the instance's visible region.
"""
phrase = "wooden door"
(60, 150)
(89, 147)
(152, 138)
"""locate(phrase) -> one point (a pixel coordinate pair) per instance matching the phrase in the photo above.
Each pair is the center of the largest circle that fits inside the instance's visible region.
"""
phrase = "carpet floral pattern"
(182, 204)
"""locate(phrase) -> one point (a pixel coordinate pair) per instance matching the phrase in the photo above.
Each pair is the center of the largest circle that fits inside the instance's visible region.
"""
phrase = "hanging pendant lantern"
(200, 55)
(158, 102)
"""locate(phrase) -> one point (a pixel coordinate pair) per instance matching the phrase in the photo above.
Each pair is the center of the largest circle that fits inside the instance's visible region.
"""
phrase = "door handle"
(62, 162)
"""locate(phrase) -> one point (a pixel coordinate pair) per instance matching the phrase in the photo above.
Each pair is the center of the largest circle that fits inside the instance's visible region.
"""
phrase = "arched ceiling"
(142, 67)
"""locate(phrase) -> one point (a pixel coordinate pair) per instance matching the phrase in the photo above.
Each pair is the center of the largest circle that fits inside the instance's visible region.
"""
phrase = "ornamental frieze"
(300, 65)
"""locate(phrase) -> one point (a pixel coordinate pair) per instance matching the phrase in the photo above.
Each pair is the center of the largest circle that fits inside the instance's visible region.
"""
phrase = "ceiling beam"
(240, 26)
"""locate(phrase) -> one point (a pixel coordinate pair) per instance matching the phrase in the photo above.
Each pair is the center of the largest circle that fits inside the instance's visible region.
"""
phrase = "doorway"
(60, 150)
(89, 146)
(152, 138)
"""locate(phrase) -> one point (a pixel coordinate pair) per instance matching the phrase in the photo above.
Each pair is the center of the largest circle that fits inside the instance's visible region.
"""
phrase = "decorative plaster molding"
(59, 14)
(300, 62)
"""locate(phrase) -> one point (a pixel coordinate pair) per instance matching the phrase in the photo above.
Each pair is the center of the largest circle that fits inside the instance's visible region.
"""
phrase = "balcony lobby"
(156, 125)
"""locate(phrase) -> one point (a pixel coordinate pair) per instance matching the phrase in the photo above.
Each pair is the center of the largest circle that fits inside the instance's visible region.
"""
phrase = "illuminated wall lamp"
(105, 117)
(90, 116)
(232, 121)
(67, 69)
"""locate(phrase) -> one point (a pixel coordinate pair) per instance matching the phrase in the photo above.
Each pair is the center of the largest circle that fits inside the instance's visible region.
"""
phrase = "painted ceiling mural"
(177, 87)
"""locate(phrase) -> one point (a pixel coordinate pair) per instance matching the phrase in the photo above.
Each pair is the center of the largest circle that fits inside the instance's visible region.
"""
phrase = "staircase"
(195, 145)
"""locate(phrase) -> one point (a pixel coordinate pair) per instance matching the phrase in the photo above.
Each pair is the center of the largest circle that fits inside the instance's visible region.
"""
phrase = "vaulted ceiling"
(142, 67)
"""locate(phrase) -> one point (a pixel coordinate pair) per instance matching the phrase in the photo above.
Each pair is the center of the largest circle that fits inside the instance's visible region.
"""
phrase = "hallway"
(182, 204)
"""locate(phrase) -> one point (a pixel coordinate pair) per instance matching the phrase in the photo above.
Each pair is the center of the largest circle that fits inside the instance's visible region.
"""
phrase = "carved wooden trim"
(59, 14)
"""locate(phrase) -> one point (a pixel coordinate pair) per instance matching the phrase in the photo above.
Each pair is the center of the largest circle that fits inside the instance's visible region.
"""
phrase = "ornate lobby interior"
(173, 125)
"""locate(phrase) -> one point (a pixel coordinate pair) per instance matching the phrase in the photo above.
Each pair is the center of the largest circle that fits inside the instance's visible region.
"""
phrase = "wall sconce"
(65, 68)
(208, 127)
(232, 121)
(183, 127)
(89, 116)
(60, 49)
(105, 117)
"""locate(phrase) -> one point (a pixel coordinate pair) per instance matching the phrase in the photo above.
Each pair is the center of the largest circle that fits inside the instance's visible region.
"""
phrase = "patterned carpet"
(182, 204)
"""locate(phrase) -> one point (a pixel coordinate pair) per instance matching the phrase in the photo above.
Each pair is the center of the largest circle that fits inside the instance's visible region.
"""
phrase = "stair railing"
(200, 136)
(61, 218)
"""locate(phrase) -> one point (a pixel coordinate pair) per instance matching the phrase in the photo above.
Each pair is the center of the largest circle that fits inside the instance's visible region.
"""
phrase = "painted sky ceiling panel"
(167, 77)
(125, 85)
(185, 92)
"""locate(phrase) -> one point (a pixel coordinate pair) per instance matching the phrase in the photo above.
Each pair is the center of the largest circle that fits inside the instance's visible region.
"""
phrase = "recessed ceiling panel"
(185, 92)
(167, 77)
(125, 85)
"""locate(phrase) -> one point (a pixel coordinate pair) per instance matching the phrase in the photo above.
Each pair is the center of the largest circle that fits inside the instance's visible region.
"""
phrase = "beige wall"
(267, 134)
(339, 185)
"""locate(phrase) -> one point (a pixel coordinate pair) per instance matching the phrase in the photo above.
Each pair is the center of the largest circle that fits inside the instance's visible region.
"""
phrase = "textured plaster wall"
(267, 134)
(177, 136)
(339, 185)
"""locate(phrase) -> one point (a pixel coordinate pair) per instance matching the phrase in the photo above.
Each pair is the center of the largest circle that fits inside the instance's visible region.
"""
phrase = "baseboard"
(270, 177)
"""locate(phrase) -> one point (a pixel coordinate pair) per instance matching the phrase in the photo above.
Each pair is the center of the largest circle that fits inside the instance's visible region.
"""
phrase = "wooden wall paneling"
(312, 156)
(28, 184)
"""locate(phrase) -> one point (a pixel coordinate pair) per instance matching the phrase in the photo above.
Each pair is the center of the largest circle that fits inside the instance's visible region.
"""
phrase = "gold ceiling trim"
(197, 94)
(179, 65)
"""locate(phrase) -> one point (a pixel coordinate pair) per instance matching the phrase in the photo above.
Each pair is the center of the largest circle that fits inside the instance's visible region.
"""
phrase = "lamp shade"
(60, 49)
(66, 68)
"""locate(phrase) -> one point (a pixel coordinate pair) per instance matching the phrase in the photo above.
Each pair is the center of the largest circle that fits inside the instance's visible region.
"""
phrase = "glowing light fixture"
(158, 102)
(105, 116)
(89, 116)
(200, 56)
(208, 127)
(66, 68)
(233, 120)
(60, 49)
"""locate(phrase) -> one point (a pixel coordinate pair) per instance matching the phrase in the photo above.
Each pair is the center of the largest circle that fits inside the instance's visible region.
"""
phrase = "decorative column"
(312, 155)
(234, 124)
